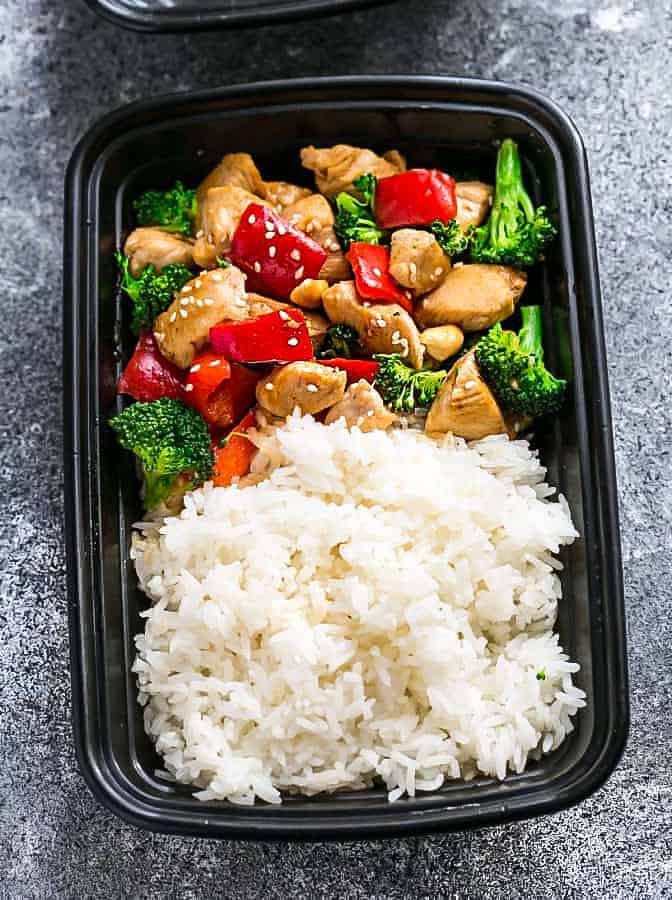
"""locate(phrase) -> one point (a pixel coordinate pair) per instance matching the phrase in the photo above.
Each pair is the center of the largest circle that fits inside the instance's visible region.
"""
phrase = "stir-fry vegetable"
(172, 443)
(152, 292)
(172, 210)
(416, 197)
(513, 366)
(278, 337)
(234, 453)
(450, 237)
(371, 265)
(341, 341)
(405, 389)
(220, 390)
(148, 376)
(355, 219)
(516, 233)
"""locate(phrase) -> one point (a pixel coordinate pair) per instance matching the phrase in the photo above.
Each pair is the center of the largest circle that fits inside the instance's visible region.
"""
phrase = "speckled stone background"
(61, 67)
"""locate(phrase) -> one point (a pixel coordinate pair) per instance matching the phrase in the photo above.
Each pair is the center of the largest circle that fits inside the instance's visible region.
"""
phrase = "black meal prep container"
(434, 120)
(199, 15)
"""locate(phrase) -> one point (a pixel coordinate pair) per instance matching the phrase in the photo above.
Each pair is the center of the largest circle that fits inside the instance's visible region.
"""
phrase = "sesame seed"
(469, 385)
(299, 273)
(395, 336)
(283, 315)
(296, 254)
(438, 271)
(516, 427)
(208, 301)
(211, 239)
(313, 388)
(252, 219)
(278, 207)
(185, 301)
(272, 251)
(183, 313)
(195, 368)
(188, 387)
(269, 385)
(200, 233)
(413, 268)
(380, 323)
(159, 335)
(281, 228)
(293, 342)
(370, 413)
(310, 228)
(199, 303)
(377, 272)
(269, 235)
(214, 362)
(198, 283)
(257, 266)
(187, 289)
(217, 276)
(172, 317)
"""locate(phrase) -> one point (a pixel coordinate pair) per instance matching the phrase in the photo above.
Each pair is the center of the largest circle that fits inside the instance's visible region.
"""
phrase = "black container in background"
(450, 123)
(197, 15)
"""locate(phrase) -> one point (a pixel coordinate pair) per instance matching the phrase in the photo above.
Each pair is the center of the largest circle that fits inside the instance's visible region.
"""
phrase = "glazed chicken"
(382, 328)
(307, 385)
(152, 246)
(281, 194)
(183, 329)
(472, 296)
(362, 406)
(219, 215)
(416, 260)
(465, 405)
(337, 167)
(314, 216)
(474, 199)
(237, 169)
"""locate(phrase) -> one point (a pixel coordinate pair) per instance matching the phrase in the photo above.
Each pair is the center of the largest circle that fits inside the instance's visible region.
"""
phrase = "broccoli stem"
(530, 336)
(510, 193)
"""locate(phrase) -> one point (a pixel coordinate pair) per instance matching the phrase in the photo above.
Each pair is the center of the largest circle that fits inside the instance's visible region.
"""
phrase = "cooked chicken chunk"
(337, 167)
(316, 323)
(416, 260)
(465, 405)
(183, 329)
(473, 297)
(281, 194)
(219, 216)
(443, 341)
(308, 294)
(382, 328)
(237, 169)
(152, 246)
(315, 217)
(362, 406)
(308, 385)
(474, 199)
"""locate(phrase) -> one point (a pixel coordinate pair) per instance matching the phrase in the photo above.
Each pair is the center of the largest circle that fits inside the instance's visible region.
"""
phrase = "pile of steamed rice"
(379, 607)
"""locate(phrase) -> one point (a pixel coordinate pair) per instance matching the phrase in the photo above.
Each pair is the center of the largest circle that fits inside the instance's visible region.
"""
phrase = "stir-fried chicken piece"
(281, 194)
(472, 296)
(474, 199)
(315, 217)
(362, 406)
(219, 215)
(316, 323)
(465, 404)
(382, 327)
(416, 260)
(337, 167)
(308, 385)
(308, 294)
(237, 169)
(152, 246)
(183, 329)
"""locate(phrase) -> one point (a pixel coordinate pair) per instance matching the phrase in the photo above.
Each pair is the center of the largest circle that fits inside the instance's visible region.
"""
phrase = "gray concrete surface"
(607, 62)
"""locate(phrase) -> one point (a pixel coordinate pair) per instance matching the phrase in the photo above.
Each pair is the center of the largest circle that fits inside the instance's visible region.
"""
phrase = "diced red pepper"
(355, 369)
(371, 265)
(220, 390)
(277, 337)
(233, 459)
(415, 197)
(148, 376)
(274, 255)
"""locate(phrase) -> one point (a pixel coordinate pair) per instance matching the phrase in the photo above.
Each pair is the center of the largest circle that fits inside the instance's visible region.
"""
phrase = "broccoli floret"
(171, 441)
(450, 236)
(172, 210)
(513, 366)
(516, 233)
(340, 342)
(355, 219)
(405, 389)
(152, 292)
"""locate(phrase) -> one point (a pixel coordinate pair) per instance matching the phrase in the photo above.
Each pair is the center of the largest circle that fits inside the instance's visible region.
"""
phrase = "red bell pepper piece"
(277, 337)
(148, 376)
(416, 197)
(371, 265)
(355, 369)
(221, 391)
(274, 255)
(233, 459)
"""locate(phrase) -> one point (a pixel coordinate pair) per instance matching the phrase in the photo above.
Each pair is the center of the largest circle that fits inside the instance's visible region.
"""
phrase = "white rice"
(379, 607)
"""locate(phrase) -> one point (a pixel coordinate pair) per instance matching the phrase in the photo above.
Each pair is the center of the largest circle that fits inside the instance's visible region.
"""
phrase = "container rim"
(102, 781)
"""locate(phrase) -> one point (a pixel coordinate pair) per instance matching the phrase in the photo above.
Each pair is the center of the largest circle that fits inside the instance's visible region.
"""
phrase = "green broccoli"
(171, 441)
(152, 292)
(405, 389)
(355, 219)
(340, 342)
(513, 366)
(172, 210)
(516, 233)
(450, 236)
